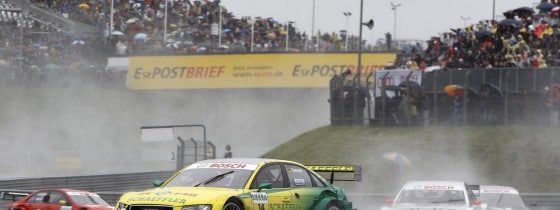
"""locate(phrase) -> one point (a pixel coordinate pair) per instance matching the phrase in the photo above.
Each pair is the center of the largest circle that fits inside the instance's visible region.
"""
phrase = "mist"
(82, 128)
(523, 157)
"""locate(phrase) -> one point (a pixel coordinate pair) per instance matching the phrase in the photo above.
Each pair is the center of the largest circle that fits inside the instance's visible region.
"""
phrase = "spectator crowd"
(192, 27)
(525, 38)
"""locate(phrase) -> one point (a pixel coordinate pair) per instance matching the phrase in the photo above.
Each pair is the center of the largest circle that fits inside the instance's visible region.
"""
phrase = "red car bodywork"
(57, 199)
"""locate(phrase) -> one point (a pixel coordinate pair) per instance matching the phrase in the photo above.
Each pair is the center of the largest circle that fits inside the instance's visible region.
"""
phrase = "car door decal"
(259, 197)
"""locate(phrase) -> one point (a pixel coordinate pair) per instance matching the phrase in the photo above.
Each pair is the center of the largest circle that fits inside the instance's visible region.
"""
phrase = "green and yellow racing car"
(235, 184)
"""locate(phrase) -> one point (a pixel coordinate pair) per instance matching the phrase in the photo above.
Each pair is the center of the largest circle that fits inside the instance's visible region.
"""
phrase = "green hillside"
(524, 157)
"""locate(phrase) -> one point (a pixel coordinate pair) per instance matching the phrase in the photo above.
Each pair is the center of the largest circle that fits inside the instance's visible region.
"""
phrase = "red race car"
(61, 199)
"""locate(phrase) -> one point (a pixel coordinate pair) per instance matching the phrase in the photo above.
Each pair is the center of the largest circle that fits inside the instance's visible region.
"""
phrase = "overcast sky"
(417, 19)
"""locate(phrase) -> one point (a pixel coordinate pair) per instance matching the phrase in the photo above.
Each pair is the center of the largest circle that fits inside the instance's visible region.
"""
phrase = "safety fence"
(449, 97)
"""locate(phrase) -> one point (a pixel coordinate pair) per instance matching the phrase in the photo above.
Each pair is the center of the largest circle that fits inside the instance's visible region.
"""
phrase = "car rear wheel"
(232, 206)
(333, 206)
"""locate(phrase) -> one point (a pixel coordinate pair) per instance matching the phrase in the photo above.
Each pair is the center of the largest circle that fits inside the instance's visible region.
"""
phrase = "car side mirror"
(265, 186)
(158, 183)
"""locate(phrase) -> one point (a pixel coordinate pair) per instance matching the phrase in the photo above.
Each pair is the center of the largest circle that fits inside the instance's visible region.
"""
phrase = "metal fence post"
(435, 96)
(340, 82)
(553, 105)
(368, 97)
(180, 153)
(506, 98)
(384, 97)
(211, 145)
(331, 92)
(465, 96)
(196, 150)
(534, 80)
(407, 110)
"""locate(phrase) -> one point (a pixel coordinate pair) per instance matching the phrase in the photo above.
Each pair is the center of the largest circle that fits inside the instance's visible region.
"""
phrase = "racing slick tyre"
(232, 205)
(333, 206)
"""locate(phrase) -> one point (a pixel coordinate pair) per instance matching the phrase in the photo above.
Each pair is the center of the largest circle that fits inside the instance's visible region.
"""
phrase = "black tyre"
(333, 206)
(232, 205)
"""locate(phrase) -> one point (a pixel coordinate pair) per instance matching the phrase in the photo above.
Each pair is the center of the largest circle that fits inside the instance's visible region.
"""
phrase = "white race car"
(434, 195)
(501, 197)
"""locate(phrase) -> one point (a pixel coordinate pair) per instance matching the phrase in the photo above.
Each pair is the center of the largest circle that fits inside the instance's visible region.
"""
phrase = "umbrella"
(555, 10)
(491, 89)
(78, 42)
(509, 14)
(454, 90)
(483, 34)
(521, 11)
(140, 37)
(545, 6)
(510, 22)
(397, 158)
(83, 6)
(117, 33)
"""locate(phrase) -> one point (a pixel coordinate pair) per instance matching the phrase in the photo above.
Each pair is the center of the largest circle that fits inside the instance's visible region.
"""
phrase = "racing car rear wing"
(332, 169)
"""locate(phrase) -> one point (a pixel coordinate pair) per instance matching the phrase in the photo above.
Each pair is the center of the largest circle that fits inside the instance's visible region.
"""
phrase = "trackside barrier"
(94, 183)
(549, 201)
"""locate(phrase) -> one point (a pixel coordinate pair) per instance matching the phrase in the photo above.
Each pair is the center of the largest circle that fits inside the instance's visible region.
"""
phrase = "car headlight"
(198, 207)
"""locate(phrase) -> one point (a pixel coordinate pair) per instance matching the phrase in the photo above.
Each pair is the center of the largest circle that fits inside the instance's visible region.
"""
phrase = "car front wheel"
(333, 206)
(232, 206)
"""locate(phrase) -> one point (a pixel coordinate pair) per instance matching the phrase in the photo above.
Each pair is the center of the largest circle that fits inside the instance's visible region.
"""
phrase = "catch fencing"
(501, 96)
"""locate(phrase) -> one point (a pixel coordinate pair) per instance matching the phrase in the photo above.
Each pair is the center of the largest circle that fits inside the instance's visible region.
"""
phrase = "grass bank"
(524, 157)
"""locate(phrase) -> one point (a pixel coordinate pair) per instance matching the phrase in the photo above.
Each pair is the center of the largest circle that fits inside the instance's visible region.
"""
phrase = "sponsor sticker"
(242, 166)
(158, 199)
(506, 191)
(432, 187)
(259, 198)
(335, 168)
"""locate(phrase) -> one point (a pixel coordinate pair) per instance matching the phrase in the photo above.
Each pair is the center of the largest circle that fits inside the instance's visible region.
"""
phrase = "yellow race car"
(235, 184)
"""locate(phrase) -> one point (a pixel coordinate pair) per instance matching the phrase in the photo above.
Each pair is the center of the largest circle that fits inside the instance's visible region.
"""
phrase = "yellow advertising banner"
(246, 70)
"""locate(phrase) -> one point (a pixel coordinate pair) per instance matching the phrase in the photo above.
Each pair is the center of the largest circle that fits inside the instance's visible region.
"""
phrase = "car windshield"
(88, 199)
(207, 177)
(450, 197)
(502, 200)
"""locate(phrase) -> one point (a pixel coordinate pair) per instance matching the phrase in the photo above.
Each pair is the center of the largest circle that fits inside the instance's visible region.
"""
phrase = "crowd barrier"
(523, 96)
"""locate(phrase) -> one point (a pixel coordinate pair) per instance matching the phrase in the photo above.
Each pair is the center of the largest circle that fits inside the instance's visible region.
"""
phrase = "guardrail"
(94, 183)
(548, 201)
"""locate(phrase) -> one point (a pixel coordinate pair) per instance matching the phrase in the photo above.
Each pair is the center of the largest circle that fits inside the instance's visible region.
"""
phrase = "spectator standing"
(228, 153)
